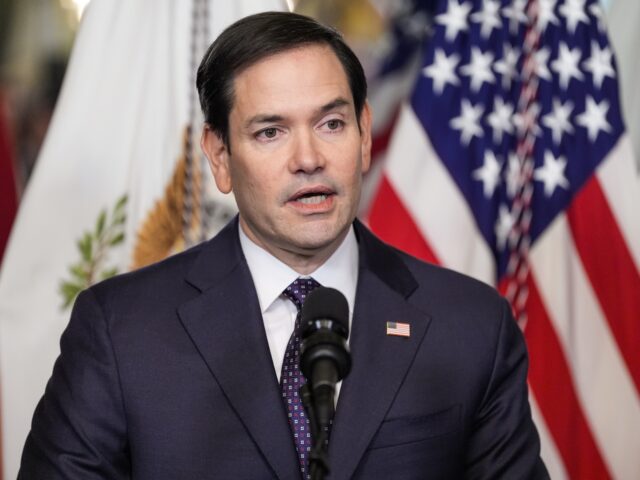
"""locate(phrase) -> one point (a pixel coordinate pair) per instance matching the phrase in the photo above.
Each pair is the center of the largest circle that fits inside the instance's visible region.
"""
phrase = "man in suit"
(176, 371)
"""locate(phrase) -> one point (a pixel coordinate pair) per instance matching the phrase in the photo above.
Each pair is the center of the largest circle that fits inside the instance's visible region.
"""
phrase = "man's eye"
(267, 133)
(270, 132)
(333, 125)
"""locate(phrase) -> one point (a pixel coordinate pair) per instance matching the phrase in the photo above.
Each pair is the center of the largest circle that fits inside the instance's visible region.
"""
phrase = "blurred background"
(35, 43)
(114, 180)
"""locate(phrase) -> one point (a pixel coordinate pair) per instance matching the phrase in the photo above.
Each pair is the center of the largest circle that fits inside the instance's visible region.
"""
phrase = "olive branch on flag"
(94, 247)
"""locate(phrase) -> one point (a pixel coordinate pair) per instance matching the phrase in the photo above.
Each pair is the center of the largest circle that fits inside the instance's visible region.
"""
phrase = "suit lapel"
(380, 362)
(225, 324)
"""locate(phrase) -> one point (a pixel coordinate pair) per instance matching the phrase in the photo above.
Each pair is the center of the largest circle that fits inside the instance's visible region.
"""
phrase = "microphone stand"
(324, 360)
(318, 456)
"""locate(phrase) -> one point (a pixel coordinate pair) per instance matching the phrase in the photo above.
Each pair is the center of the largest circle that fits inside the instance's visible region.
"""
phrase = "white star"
(500, 119)
(596, 10)
(468, 122)
(541, 58)
(506, 66)
(574, 12)
(552, 173)
(599, 64)
(546, 15)
(513, 175)
(566, 65)
(479, 68)
(442, 70)
(504, 224)
(454, 19)
(558, 120)
(515, 14)
(594, 118)
(528, 120)
(488, 174)
(489, 17)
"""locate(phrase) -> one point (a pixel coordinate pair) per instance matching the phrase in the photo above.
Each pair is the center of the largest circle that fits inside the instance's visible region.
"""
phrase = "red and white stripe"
(583, 305)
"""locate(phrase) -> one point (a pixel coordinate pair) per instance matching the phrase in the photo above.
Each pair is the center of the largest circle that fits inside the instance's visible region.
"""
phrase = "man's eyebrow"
(337, 103)
(263, 118)
(268, 118)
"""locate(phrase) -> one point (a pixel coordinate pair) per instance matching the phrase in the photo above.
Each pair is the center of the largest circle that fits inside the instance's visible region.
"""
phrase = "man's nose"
(307, 155)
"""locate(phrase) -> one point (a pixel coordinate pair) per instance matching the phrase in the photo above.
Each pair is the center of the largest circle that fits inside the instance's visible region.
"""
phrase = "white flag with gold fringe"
(116, 184)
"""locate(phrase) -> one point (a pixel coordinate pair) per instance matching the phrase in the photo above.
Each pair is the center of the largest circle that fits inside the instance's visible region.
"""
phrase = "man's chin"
(311, 239)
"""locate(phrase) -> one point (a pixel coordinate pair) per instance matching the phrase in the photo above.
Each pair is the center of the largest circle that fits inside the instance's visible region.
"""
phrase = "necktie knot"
(299, 289)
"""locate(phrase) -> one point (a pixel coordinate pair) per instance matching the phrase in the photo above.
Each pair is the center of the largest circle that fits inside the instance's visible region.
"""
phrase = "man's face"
(297, 154)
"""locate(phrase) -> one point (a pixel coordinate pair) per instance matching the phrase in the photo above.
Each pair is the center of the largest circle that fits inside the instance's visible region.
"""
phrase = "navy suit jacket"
(165, 373)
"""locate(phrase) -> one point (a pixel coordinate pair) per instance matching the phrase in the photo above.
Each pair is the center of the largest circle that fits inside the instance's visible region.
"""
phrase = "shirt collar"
(271, 276)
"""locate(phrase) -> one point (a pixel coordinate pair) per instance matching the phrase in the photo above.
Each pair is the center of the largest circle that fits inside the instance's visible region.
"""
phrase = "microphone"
(324, 354)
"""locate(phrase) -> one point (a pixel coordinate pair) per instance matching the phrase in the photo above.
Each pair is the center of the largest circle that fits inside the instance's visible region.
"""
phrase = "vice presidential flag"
(120, 128)
(510, 162)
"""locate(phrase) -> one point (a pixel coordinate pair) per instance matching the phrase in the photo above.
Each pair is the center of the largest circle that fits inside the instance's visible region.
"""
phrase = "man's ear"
(218, 155)
(365, 136)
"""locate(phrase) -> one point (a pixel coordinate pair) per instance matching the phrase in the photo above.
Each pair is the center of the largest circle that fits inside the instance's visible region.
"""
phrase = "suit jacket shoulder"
(430, 287)
(453, 394)
(165, 373)
(201, 266)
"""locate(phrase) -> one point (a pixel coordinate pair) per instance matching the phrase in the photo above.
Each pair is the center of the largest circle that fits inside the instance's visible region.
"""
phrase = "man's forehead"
(310, 77)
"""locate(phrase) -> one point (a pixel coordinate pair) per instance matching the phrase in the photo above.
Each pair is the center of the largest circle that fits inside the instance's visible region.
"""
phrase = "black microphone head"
(325, 303)
(325, 329)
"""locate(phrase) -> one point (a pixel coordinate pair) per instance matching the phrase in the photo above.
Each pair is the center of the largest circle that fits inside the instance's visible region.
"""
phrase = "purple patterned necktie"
(291, 378)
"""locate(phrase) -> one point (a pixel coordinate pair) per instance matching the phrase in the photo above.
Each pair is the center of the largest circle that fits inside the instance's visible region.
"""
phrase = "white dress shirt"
(271, 277)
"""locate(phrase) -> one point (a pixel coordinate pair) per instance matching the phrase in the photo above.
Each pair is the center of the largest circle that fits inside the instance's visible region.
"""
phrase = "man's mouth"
(312, 199)
(311, 195)
(318, 198)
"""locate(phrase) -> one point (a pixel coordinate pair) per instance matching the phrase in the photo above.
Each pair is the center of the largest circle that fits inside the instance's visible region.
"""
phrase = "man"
(176, 371)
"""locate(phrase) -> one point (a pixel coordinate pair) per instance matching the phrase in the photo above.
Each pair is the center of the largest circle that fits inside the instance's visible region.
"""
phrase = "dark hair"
(253, 38)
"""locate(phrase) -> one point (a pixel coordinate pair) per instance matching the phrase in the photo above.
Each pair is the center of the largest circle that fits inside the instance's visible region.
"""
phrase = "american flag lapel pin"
(399, 329)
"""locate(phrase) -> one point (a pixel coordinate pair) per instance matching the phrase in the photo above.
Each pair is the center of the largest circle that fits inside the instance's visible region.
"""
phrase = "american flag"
(510, 163)
(398, 329)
